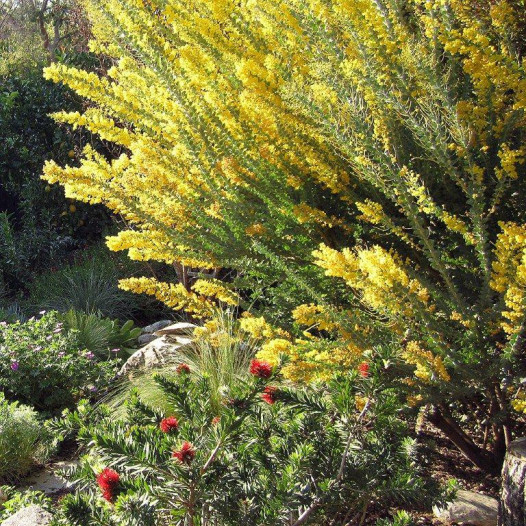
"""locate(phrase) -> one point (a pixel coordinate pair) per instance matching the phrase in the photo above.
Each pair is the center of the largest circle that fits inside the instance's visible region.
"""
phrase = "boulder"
(157, 353)
(144, 339)
(470, 508)
(33, 515)
(149, 329)
(182, 328)
(512, 510)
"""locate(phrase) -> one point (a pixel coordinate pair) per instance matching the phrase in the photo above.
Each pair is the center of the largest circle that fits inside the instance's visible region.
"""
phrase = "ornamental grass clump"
(273, 455)
(358, 167)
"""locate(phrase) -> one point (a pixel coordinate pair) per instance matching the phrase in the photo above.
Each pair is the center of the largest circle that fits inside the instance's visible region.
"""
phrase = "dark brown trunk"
(480, 457)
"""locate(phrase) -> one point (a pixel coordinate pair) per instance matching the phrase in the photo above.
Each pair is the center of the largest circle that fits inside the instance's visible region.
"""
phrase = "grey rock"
(49, 480)
(149, 329)
(161, 351)
(31, 516)
(183, 328)
(470, 508)
(144, 339)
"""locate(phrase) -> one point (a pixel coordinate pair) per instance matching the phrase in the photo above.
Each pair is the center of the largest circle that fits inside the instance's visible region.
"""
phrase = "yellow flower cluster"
(428, 367)
(213, 288)
(519, 402)
(509, 274)
(314, 316)
(175, 296)
(378, 275)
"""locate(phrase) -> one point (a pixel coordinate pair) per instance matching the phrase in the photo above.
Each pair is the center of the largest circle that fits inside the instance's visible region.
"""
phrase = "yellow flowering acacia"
(357, 167)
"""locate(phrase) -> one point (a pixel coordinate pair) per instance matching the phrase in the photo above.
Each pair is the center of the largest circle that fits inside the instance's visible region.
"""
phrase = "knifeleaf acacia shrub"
(358, 164)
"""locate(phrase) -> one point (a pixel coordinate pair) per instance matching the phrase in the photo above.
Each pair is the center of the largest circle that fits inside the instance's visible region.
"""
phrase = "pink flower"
(14, 366)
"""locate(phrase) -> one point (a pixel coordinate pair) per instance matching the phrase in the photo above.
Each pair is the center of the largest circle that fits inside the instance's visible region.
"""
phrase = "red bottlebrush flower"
(363, 369)
(108, 495)
(261, 369)
(269, 394)
(216, 420)
(183, 368)
(108, 480)
(169, 424)
(186, 454)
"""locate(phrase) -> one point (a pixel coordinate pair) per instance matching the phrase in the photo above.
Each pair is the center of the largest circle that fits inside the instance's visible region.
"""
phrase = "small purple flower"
(38, 348)
(48, 338)
(61, 354)
(42, 312)
(89, 355)
(93, 389)
(14, 366)
(57, 331)
(115, 350)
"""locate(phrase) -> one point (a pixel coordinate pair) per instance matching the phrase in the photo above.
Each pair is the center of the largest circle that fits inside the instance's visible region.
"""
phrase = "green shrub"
(269, 456)
(20, 439)
(43, 365)
(102, 336)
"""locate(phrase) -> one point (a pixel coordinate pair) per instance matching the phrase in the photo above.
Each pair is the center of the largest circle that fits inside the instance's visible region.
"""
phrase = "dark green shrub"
(38, 225)
(43, 365)
(272, 455)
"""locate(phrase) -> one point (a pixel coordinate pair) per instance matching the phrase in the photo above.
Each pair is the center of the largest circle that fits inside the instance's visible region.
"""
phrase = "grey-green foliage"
(90, 287)
(22, 439)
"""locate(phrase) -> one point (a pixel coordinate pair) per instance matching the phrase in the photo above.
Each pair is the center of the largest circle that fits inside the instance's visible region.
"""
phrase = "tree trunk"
(512, 506)
(482, 458)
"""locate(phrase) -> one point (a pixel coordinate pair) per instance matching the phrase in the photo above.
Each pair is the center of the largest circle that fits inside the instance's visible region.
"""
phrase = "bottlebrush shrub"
(274, 455)
(42, 364)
